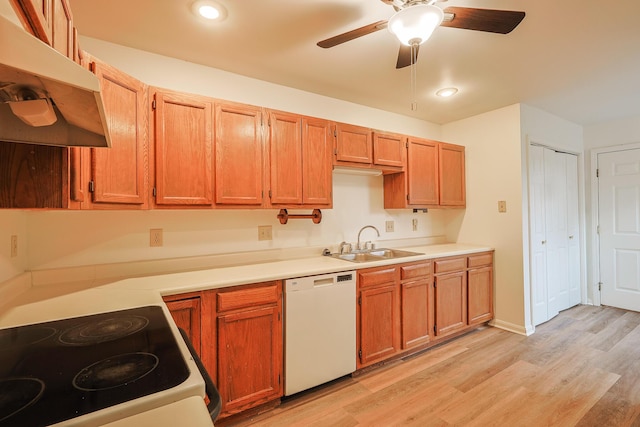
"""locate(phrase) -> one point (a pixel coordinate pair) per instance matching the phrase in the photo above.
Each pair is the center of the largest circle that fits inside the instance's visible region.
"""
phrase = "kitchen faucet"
(358, 247)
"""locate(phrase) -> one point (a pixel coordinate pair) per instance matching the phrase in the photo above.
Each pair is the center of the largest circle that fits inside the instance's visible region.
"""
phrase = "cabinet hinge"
(270, 194)
(92, 187)
(407, 197)
(278, 316)
(359, 300)
(154, 192)
(406, 144)
(335, 133)
(435, 329)
(153, 104)
(360, 354)
(278, 379)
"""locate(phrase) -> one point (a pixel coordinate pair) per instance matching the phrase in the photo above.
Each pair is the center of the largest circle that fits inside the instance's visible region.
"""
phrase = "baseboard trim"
(512, 327)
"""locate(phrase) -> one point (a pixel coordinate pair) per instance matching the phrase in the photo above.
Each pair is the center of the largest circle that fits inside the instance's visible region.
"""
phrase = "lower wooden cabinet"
(416, 296)
(480, 288)
(238, 331)
(450, 303)
(186, 312)
(250, 346)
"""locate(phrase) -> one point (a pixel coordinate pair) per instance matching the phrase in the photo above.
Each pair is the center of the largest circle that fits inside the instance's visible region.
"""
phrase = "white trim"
(512, 327)
(595, 249)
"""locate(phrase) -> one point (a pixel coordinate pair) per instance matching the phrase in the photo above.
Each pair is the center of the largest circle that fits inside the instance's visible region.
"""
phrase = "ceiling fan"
(423, 16)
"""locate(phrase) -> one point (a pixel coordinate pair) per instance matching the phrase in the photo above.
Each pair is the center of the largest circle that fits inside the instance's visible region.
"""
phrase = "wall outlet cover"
(389, 226)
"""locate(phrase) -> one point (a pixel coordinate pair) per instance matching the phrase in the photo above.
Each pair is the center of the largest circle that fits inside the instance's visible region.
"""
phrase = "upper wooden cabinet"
(239, 153)
(435, 177)
(353, 145)
(357, 146)
(300, 161)
(451, 175)
(183, 155)
(118, 175)
(36, 17)
(389, 150)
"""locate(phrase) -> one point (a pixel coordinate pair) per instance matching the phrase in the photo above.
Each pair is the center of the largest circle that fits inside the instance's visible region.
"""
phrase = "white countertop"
(51, 302)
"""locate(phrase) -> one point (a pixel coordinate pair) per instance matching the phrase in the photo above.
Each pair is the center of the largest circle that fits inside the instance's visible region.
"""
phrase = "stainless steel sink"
(375, 255)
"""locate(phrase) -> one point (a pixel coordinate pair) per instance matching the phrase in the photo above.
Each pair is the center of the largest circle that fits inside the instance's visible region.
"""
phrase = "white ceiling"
(578, 59)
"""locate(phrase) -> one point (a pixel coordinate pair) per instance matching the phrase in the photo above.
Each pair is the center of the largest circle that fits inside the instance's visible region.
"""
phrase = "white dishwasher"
(320, 329)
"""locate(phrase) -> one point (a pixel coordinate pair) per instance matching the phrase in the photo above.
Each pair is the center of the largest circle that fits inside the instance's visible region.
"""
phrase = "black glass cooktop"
(54, 371)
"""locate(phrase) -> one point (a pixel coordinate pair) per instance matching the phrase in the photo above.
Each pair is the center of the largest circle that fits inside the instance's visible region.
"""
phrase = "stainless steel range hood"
(38, 85)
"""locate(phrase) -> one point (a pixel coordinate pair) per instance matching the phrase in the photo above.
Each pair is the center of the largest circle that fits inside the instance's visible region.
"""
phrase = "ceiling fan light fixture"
(415, 24)
(447, 92)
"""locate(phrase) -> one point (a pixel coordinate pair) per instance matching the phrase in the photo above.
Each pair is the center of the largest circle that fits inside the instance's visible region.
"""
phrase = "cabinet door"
(415, 313)
(63, 28)
(183, 149)
(249, 358)
(317, 167)
(186, 313)
(378, 324)
(450, 303)
(118, 174)
(285, 147)
(422, 172)
(353, 144)
(37, 16)
(389, 149)
(480, 295)
(239, 154)
(452, 175)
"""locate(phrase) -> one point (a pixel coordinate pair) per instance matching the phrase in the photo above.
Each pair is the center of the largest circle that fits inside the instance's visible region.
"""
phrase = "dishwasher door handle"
(215, 401)
(328, 281)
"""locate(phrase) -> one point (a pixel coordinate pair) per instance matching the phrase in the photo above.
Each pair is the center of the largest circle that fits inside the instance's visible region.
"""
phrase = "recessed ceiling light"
(447, 92)
(209, 10)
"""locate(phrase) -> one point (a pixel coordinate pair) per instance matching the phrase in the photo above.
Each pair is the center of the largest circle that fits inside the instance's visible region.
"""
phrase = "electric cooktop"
(55, 371)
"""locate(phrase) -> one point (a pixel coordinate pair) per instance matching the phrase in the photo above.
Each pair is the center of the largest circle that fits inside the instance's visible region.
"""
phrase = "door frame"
(594, 272)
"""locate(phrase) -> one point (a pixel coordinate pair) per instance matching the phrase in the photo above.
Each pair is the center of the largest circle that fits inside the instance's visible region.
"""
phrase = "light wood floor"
(581, 368)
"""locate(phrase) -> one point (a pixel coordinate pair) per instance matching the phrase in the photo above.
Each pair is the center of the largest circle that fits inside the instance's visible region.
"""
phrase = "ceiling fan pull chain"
(414, 103)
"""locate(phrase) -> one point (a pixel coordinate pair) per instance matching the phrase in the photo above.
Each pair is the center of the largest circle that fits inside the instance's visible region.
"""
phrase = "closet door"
(554, 232)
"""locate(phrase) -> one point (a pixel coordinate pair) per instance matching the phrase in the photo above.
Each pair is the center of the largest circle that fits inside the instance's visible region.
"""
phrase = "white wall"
(74, 238)
(493, 173)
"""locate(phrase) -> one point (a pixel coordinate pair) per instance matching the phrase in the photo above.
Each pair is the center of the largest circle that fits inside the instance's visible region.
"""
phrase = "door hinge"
(598, 229)
(92, 187)
(599, 286)
(154, 192)
(153, 104)
(360, 354)
(597, 173)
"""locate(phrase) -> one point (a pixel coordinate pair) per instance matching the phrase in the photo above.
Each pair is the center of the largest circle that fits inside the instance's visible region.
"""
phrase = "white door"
(554, 227)
(619, 221)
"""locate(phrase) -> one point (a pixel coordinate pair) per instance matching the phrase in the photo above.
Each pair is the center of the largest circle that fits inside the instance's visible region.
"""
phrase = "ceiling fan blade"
(353, 34)
(489, 20)
(404, 56)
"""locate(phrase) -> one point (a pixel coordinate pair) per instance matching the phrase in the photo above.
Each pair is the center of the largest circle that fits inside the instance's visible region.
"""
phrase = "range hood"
(46, 98)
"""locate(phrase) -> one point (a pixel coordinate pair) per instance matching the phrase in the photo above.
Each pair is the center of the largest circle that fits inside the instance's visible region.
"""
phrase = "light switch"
(502, 206)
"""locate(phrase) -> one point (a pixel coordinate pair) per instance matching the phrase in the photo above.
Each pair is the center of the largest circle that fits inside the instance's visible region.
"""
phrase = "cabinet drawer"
(452, 264)
(479, 260)
(249, 297)
(415, 270)
(377, 277)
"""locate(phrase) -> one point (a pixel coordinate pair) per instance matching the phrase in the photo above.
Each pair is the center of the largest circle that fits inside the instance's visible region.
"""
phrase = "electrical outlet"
(502, 206)
(264, 232)
(414, 224)
(155, 237)
(14, 246)
(389, 226)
